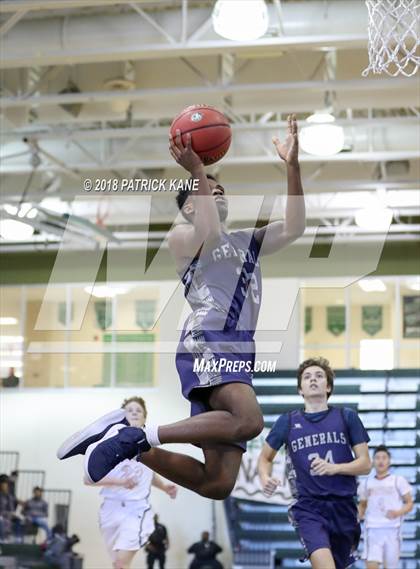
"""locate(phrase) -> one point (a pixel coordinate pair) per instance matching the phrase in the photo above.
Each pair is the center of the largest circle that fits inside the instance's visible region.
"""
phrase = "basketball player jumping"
(384, 500)
(221, 274)
(326, 448)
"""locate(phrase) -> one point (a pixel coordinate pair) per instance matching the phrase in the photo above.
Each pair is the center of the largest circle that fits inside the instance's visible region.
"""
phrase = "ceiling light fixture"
(8, 321)
(374, 217)
(322, 137)
(106, 291)
(55, 204)
(12, 230)
(240, 20)
(413, 283)
(372, 285)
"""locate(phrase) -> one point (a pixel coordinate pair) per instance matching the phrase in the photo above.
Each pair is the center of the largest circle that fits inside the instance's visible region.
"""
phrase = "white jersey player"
(384, 500)
(125, 516)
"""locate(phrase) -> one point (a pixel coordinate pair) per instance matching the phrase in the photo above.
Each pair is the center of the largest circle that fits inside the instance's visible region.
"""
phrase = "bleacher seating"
(26, 555)
(389, 406)
(59, 501)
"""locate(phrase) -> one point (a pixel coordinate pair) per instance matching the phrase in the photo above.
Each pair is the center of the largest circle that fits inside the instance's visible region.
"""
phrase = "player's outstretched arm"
(265, 468)
(206, 221)
(359, 466)
(128, 483)
(278, 234)
(169, 489)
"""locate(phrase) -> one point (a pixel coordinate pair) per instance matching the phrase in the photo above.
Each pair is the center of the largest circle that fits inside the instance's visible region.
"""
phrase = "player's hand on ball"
(289, 149)
(269, 486)
(171, 490)
(184, 155)
(392, 514)
(321, 467)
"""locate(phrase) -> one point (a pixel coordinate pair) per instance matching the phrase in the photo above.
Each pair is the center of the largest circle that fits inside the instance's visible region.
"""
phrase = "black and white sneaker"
(102, 456)
(79, 442)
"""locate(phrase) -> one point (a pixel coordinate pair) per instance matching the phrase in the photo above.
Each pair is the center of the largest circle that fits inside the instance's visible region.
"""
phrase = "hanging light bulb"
(375, 217)
(322, 137)
(240, 19)
(55, 204)
(12, 230)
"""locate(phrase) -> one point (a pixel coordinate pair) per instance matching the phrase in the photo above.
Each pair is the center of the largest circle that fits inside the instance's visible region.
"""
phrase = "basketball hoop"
(393, 37)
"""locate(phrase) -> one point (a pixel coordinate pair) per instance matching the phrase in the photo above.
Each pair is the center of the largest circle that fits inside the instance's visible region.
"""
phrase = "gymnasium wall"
(334, 345)
(54, 357)
(27, 268)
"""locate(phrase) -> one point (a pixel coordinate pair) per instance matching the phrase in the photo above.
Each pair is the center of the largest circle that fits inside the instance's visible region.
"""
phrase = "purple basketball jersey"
(327, 439)
(223, 284)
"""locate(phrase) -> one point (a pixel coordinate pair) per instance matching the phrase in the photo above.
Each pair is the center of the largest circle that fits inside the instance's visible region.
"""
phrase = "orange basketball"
(210, 131)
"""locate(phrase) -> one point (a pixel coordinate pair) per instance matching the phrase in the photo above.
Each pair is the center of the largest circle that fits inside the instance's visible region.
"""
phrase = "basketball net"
(393, 37)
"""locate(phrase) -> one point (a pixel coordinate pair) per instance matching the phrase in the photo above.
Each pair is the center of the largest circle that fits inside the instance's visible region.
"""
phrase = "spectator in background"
(205, 552)
(35, 511)
(12, 482)
(11, 380)
(9, 521)
(157, 545)
(58, 552)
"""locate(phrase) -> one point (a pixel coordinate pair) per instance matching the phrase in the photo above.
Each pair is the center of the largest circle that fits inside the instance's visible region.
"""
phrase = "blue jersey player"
(326, 448)
(220, 271)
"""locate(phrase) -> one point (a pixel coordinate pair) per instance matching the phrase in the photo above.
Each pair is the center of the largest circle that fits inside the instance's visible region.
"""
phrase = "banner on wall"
(411, 316)
(145, 313)
(336, 319)
(103, 312)
(248, 485)
(372, 319)
(308, 319)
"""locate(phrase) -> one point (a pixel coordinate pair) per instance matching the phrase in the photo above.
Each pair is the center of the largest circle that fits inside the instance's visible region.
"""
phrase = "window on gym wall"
(45, 359)
(324, 323)
(135, 333)
(409, 322)
(111, 337)
(89, 318)
(68, 337)
(377, 324)
(11, 336)
(372, 324)
(71, 335)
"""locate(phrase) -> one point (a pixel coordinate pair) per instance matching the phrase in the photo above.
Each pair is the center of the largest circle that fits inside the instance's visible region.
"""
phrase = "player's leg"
(135, 526)
(213, 479)
(162, 559)
(344, 531)
(308, 517)
(235, 416)
(123, 559)
(110, 518)
(374, 548)
(392, 546)
(150, 560)
(322, 559)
